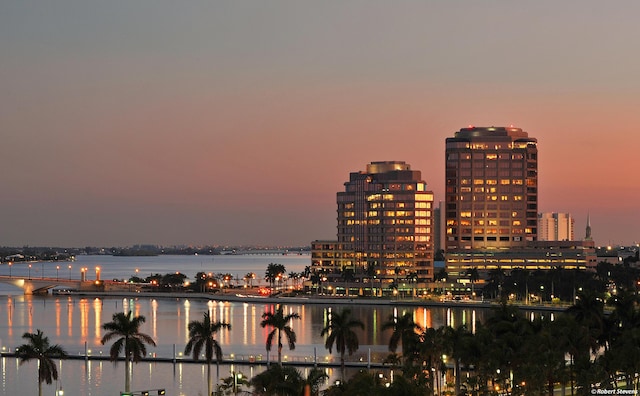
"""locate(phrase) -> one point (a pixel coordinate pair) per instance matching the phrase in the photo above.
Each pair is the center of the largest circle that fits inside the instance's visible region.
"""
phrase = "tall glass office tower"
(385, 218)
(491, 198)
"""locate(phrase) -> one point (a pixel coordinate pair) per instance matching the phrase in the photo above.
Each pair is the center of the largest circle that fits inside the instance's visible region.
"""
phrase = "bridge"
(42, 285)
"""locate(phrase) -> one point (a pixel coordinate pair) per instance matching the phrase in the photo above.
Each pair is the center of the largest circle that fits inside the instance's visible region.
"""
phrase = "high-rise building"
(385, 219)
(438, 227)
(555, 227)
(491, 192)
(491, 200)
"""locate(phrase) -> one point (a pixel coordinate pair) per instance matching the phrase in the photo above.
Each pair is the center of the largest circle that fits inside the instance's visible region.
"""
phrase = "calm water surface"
(75, 322)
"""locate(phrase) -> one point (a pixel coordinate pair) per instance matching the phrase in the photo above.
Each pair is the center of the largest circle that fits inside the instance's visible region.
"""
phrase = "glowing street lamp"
(69, 271)
(236, 377)
(57, 272)
(10, 265)
(29, 271)
(97, 273)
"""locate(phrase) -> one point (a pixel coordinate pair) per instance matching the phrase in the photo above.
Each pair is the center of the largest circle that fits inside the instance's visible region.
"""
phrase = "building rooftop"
(497, 133)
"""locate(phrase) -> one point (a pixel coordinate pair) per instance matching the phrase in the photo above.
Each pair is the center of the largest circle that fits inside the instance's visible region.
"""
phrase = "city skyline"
(236, 123)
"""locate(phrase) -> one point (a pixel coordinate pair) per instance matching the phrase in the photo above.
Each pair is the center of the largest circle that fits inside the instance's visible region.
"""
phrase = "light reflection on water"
(72, 321)
(76, 321)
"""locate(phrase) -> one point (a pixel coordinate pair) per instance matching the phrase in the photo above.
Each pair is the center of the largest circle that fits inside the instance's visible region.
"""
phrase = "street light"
(57, 272)
(236, 377)
(10, 265)
(69, 271)
(29, 271)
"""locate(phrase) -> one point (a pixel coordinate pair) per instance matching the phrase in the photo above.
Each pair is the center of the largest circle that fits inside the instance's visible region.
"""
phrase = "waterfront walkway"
(234, 360)
(325, 300)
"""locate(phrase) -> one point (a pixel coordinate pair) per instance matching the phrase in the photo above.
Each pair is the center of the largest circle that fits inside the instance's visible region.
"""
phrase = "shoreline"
(322, 300)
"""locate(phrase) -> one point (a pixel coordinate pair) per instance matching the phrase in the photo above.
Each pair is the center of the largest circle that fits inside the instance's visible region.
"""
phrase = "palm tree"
(442, 276)
(278, 380)
(131, 340)
(340, 333)
(249, 277)
(38, 348)
(201, 335)
(314, 380)
(474, 276)
(405, 332)
(294, 279)
(274, 271)
(457, 342)
(280, 323)
(316, 279)
(588, 311)
(431, 349)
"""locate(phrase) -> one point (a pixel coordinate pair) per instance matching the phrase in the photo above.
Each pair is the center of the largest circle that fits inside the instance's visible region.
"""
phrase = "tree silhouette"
(280, 324)
(278, 380)
(339, 332)
(201, 336)
(405, 332)
(38, 348)
(274, 271)
(126, 329)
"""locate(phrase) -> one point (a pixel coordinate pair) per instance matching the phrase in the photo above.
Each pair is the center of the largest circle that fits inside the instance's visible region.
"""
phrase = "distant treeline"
(34, 253)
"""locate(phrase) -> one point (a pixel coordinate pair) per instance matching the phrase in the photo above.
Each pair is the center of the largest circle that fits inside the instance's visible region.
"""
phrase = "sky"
(237, 122)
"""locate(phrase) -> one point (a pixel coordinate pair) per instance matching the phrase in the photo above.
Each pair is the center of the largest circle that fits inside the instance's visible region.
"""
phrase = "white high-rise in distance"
(555, 227)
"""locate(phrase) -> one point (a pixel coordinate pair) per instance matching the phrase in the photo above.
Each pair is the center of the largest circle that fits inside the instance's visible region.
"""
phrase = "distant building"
(439, 228)
(539, 255)
(385, 226)
(328, 256)
(555, 227)
(618, 254)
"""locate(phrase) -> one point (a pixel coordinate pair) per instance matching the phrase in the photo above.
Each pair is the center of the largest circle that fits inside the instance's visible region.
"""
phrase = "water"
(112, 267)
(73, 321)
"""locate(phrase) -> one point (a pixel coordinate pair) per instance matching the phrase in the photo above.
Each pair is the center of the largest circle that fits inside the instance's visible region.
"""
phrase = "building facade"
(555, 227)
(385, 225)
(538, 255)
(491, 194)
(491, 203)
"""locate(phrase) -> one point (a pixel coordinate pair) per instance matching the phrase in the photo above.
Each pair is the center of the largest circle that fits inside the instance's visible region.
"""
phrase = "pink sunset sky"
(236, 122)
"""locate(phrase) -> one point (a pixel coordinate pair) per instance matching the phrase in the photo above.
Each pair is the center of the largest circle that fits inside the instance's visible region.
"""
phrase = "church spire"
(587, 236)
